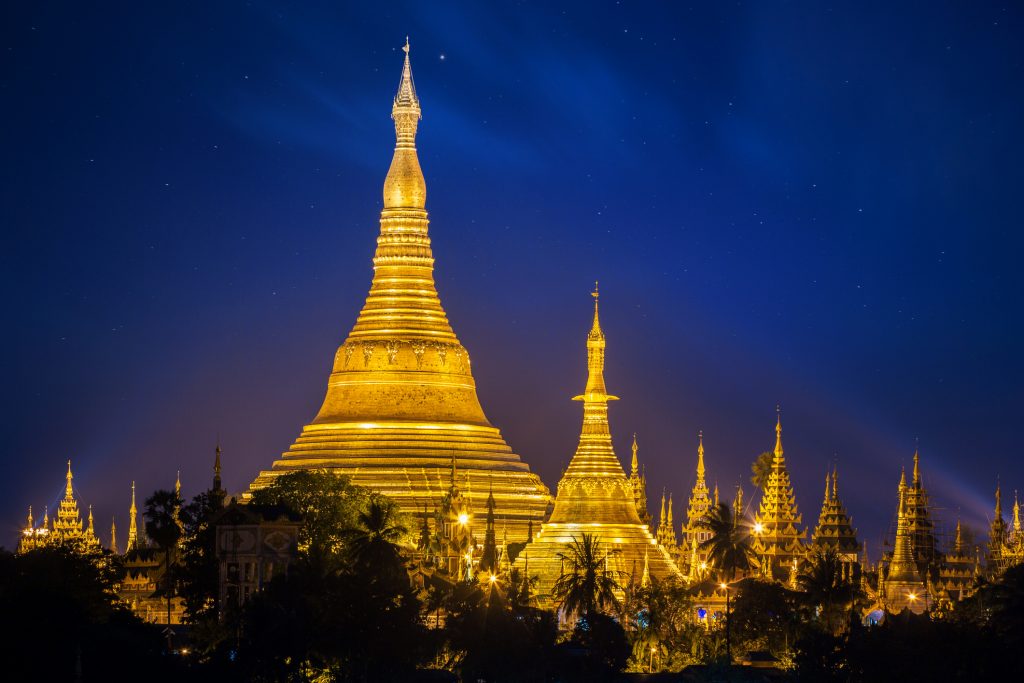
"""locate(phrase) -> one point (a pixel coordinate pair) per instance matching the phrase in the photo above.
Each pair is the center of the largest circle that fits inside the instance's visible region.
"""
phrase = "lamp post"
(650, 664)
(728, 645)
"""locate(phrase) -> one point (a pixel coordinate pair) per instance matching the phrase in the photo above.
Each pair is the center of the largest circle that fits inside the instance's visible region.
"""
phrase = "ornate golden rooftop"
(595, 496)
(401, 402)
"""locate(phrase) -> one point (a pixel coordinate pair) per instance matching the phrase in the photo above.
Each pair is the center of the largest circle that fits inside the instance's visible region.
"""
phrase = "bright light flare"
(463, 519)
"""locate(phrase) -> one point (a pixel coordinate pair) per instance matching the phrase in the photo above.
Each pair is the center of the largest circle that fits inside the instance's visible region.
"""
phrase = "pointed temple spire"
(133, 530)
(217, 487)
(997, 536)
(638, 481)
(779, 540)
(835, 528)
(68, 527)
(594, 494)
(697, 509)
(903, 581)
(401, 400)
(919, 522)
(634, 468)
(113, 536)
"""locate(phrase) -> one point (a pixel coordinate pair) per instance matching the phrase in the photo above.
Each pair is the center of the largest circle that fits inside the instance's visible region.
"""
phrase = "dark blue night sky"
(784, 203)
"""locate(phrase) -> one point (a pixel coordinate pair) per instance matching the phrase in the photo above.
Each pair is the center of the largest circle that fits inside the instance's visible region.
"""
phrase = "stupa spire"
(216, 468)
(916, 481)
(401, 400)
(133, 530)
(778, 434)
(700, 456)
(594, 495)
(113, 536)
(68, 493)
(634, 468)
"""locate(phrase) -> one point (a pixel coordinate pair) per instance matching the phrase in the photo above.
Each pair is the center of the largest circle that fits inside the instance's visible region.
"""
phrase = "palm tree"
(728, 547)
(373, 542)
(761, 468)
(586, 586)
(825, 586)
(163, 525)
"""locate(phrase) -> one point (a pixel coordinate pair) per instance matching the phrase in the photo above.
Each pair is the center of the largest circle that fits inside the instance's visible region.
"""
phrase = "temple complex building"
(777, 540)
(835, 528)
(694, 533)
(921, 526)
(67, 527)
(638, 480)
(401, 400)
(594, 495)
(902, 586)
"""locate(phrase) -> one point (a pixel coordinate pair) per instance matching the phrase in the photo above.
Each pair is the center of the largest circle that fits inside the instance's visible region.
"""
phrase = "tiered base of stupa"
(411, 463)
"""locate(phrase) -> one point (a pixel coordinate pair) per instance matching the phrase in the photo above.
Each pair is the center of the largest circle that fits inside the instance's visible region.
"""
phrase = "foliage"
(765, 615)
(498, 640)
(587, 585)
(327, 502)
(728, 547)
(662, 616)
(163, 526)
(64, 621)
(602, 642)
(826, 589)
(372, 544)
(198, 570)
(761, 468)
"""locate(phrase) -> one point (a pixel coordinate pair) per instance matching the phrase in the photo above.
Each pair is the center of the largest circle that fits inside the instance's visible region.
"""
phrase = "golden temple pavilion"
(67, 527)
(595, 496)
(401, 402)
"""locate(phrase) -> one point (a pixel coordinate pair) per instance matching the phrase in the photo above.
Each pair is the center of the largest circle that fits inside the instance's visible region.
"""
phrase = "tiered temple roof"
(903, 585)
(835, 528)
(401, 399)
(67, 528)
(777, 540)
(920, 525)
(594, 495)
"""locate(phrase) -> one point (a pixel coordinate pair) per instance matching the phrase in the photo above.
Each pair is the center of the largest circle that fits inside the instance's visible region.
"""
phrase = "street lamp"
(728, 645)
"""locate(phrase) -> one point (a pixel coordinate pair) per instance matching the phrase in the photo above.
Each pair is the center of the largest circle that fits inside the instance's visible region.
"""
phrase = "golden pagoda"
(666, 533)
(920, 525)
(697, 509)
(777, 541)
(68, 527)
(594, 495)
(835, 528)
(903, 587)
(401, 401)
(957, 574)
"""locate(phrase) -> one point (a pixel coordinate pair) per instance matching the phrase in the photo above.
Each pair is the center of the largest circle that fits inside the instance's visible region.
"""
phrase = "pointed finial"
(177, 483)
(828, 485)
(835, 482)
(31, 523)
(113, 535)
(91, 528)
(917, 466)
(778, 432)
(700, 455)
(634, 466)
(68, 490)
(999, 500)
(958, 543)
(405, 48)
(903, 478)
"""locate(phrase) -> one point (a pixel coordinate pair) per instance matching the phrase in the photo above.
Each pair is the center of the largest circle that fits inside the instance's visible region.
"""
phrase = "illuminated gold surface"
(779, 542)
(401, 401)
(595, 496)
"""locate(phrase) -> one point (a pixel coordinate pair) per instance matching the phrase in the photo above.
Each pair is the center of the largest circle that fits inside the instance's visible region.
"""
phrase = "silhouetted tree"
(164, 528)
(586, 585)
(728, 547)
(761, 468)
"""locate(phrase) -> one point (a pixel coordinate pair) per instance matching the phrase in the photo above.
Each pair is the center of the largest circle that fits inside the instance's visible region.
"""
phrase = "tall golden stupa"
(401, 407)
(595, 496)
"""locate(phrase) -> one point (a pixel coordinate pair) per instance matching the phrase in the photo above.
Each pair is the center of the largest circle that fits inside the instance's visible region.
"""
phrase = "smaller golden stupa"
(595, 496)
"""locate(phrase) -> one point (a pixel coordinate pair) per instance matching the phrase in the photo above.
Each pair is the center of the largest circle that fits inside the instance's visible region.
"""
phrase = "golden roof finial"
(917, 465)
(46, 516)
(778, 432)
(835, 482)
(68, 490)
(661, 517)
(31, 523)
(113, 535)
(999, 500)
(958, 542)
(700, 455)
(634, 466)
(903, 478)
(828, 485)
(91, 528)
